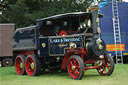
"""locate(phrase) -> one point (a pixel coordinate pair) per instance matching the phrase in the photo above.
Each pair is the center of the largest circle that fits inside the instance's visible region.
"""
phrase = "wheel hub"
(7, 62)
(73, 68)
(32, 65)
(21, 65)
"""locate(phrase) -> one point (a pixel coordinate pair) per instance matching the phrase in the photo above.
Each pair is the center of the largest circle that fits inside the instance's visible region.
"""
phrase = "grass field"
(8, 76)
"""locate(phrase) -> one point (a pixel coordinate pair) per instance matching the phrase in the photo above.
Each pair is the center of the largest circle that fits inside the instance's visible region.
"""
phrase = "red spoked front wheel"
(75, 67)
(107, 66)
(32, 65)
(20, 64)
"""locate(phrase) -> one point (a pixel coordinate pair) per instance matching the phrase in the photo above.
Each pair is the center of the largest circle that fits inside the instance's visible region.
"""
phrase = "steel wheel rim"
(74, 68)
(18, 68)
(30, 66)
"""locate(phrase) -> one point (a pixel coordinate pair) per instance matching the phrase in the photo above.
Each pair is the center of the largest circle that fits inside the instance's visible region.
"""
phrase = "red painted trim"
(83, 53)
(64, 63)
(92, 67)
(70, 52)
(91, 61)
(25, 53)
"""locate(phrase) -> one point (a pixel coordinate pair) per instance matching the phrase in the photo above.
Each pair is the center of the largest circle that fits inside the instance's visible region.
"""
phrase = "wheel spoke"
(77, 72)
(74, 62)
(101, 70)
(29, 69)
(71, 71)
(77, 67)
(71, 63)
(105, 69)
(29, 64)
(108, 66)
(19, 70)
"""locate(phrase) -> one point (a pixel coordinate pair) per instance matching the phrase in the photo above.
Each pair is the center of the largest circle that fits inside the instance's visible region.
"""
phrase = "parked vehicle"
(108, 31)
(68, 41)
(6, 35)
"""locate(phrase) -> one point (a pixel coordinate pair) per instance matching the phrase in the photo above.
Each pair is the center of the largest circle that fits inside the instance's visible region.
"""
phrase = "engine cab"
(78, 29)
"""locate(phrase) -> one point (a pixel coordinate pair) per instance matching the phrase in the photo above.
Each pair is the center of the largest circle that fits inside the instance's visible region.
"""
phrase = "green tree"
(26, 12)
(15, 13)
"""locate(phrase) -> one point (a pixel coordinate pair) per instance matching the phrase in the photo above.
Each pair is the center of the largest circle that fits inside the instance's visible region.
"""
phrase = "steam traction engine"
(68, 41)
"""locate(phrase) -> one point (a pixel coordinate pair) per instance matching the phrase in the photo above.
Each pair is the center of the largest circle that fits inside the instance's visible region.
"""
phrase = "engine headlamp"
(72, 45)
(100, 47)
(98, 41)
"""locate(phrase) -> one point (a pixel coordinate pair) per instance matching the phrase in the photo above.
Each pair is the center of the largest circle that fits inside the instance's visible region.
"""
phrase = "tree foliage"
(26, 12)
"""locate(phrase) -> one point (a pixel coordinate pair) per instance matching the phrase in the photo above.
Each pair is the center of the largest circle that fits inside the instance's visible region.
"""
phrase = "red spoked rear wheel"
(32, 65)
(107, 66)
(20, 64)
(75, 67)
